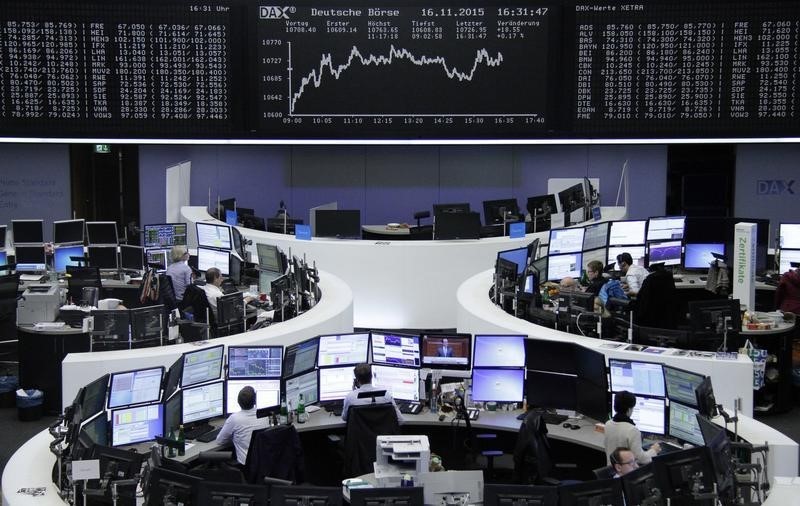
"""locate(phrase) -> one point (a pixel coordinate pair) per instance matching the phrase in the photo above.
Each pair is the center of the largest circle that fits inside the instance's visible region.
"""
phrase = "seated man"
(213, 290)
(623, 461)
(239, 426)
(632, 275)
(363, 383)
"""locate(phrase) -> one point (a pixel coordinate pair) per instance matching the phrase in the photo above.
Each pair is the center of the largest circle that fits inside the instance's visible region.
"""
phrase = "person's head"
(363, 374)
(623, 460)
(214, 276)
(247, 397)
(444, 341)
(179, 254)
(594, 269)
(568, 283)
(624, 260)
(624, 402)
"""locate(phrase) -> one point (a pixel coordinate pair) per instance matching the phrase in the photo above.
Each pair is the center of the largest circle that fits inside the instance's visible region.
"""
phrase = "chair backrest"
(166, 293)
(532, 461)
(275, 452)
(604, 473)
(80, 277)
(657, 301)
(196, 302)
(9, 291)
(364, 424)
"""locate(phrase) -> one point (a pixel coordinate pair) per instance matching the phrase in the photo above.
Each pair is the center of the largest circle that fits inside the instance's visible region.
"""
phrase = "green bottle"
(171, 450)
(301, 410)
(182, 441)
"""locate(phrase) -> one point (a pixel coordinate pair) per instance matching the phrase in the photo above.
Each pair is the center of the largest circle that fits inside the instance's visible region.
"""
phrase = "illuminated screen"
(519, 256)
(102, 232)
(595, 236)
(306, 384)
(68, 232)
(498, 385)
(3, 258)
(446, 350)
(667, 252)
(157, 256)
(681, 385)
(601, 255)
(269, 258)
(636, 252)
(562, 266)
(30, 258)
(565, 240)
(665, 228)
(208, 258)
(698, 255)
(210, 235)
(395, 349)
(499, 351)
(789, 235)
(683, 424)
(268, 393)
(165, 235)
(135, 387)
(627, 232)
(401, 382)
(300, 357)
(343, 349)
(254, 361)
(639, 378)
(335, 383)
(103, 257)
(134, 425)
(203, 402)
(649, 415)
(787, 257)
(61, 257)
(202, 365)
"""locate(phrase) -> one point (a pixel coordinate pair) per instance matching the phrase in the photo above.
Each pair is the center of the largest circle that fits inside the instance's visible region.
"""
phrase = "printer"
(39, 303)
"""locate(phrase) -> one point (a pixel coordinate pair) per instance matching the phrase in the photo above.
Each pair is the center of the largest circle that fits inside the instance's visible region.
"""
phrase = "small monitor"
(666, 252)
(123, 464)
(102, 233)
(393, 496)
(592, 399)
(211, 235)
(202, 365)
(565, 240)
(787, 257)
(684, 473)
(517, 255)
(519, 495)
(446, 351)
(499, 350)
(572, 198)
(566, 265)
(453, 226)
(542, 205)
(165, 235)
(203, 402)
(158, 257)
(257, 361)
(94, 397)
(147, 323)
(637, 254)
(497, 212)
(624, 233)
(716, 440)
(235, 269)
(551, 390)
(3, 236)
(665, 228)
(640, 487)
(268, 393)
(499, 385)
(3, 258)
(402, 382)
(103, 257)
(215, 493)
(62, 257)
(595, 236)
(27, 231)
(343, 349)
(171, 487)
(715, 316)
(208, 258)
(131, 257)
(395, 349)
(683, 423)
(30, 254)
(281, 225)
(68, 232)
(306, 384)
(228, 204)
(550, 356)
(95, 431)
(135, 387)
(312, 496)
(269, 258)
(230, 309)
(137, 424)
(681, 385)
(664, 338)
(605, 492)
(300, 357)
(649, 414)
(112, 324)
(339, 223)
(505, 270)
(705, 399)
(699, 255)
(172, 379)
(335, 383)
(638, 378)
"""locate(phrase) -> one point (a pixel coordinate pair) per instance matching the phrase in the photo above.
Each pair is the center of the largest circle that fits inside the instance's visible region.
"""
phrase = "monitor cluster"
(788, 246)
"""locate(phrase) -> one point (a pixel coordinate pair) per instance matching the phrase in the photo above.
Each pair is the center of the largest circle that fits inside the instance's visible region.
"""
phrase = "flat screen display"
(401, 382)
(637, 254)
(158, 257)
(135, 387)
(254, 361)
(29, 254)
(335, 383)
(499, 351)
(595, 236)
(519, 256)
(788, 256)
(446, 351)
(665, 252)
(165, 235)
(665, 228)
(202, 365)
(683, 423)
(565, 240)
(27, 231)
(306, 384)
(137, 424)
(62, 255)
(268, 393)
(562, 266)
(208, 258)
(395, 349)
(649, 415)
(638, 378)
(103, 257)
(343, 349)
(623, 233)
(498, 385)
(102, 233)
(300, 357)
(789, 235)
(210, 235)
(203, 402)
(601, 255)
(68, 231)
(681, 385)
(699, 255)
(269, 258)
(131, 257)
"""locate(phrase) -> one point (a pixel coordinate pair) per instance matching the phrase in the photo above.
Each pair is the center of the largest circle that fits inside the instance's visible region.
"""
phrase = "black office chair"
(533, 463)
(217, 466)
(657, 304)
(604, 473)
(195, 307)
(275, 453)
(364, 424)
(80, 277)
(9, 295)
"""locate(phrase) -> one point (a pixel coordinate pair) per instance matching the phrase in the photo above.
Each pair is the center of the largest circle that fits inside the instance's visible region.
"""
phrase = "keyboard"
(198, 431)
(209, 436)
(409, 407)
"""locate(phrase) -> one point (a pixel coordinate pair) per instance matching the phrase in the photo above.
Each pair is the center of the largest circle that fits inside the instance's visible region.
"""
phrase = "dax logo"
(774, 186)
(274, 12)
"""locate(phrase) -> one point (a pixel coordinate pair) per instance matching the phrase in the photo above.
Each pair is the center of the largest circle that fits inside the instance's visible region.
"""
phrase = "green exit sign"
(102, 149)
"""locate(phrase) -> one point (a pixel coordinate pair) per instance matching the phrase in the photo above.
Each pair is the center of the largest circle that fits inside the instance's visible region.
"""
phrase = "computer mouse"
(566, 425)
(441, 418)
(691, 281)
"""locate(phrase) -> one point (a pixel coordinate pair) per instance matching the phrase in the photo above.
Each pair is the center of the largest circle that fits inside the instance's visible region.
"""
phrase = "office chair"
(364, 424)
(533, 463)
(217, 466)
(657, 304)
(275, 452)
(80, 277)
(9, 295)
(604, 473)
(195, 307)
(166, 294)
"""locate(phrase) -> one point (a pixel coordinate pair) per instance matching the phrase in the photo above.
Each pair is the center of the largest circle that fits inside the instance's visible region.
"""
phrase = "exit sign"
(102, 149)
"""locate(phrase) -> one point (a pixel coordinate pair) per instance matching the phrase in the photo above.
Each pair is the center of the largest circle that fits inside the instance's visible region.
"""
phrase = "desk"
(128, 293)
(785, 491)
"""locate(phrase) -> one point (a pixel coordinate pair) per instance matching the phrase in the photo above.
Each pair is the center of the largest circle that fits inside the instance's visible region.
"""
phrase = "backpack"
(612, 288)
(148, 293)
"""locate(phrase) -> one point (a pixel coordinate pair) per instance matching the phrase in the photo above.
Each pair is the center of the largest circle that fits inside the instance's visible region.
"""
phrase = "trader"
(623, 461)
(213, 290)
(594, 271)
(362, 382)
(179, 271)
(632, 275)
(621, 431)
(239, 426)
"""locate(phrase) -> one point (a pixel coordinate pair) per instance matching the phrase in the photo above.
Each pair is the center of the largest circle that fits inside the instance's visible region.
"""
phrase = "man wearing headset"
(362, 382)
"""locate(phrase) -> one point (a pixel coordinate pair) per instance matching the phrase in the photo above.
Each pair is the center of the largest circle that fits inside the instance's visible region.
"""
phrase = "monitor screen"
(519, 495)
(639, 378)
(211, 235)
(300, 357)
(158, 257)
(254, 361)
(446, 351)
(594, 492)
(208, 258)
(519, 256)
(566, 265)
(550, 356)
(401, 382)
(103, 257)
(172, 379)
(217, 493)
(683, 423)
(147, 323)
(789, 235)
(203, 402)
(94, 397)
(667, 252)
(496, 212)
(595, 236)
(601, 255)
(306, 384)
(681, 385)
(172, 412)
(2, 236)
(499, 351)
(137, 424)
(649, 415)
(96, 430)
(665, 228)
(624, 233)
(340, 223)
(335, 383)
(114, 324)
(131, 257)
(102, 232)
(565, 240)
(62, 255)
(541, 205)
(29, 254)
(3, 258)
(715, 316)
(637, 254)
(230, 309)
(68, 232)
(498, 385)
(27, 231)
(268, 393)
(395, 349)
(165, 235)
(342, 349)
(551, 390)
(135, 387)
(572, 198)
(202, 365)
(269, 258)
(787, 257)
(699, 255)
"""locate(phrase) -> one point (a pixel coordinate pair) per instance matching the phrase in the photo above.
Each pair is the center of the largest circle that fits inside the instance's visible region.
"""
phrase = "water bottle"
(284, 414)
(301, 410)
(434, 401)
(182, 441)
(171, 449)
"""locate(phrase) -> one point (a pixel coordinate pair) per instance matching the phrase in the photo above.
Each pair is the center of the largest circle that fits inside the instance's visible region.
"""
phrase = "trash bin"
(8, 385)
(29, 408)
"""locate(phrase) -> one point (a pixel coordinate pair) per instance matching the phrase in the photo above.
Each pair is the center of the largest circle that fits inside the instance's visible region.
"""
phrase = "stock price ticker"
(446, 71)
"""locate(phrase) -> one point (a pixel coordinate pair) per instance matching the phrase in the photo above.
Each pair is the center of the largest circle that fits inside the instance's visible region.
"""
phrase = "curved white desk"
(397, 284)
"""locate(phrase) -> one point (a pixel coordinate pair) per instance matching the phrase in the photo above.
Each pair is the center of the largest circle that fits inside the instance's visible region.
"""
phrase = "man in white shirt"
(363, 383)
(239, 426)
(632, 275)
(212, 287)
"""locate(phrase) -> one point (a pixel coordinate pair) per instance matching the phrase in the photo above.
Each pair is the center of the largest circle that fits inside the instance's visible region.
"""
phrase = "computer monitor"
(402, 382)
(581, 302)
(339, 223)
(665, 338)
(499, 350)
(681, 385)
(172, 378)
(227, 204)
(93, 400)
(625, 233)
(665, 228)
(68, 232)
(496, 212)
(789, 235)
(715, 316)
(335, 383)
(268, 393)
(212, 235)
(699, 255)
(203, 402)
(683, 423)
(592, 399)
(202, 365)
(565, 240)
(637, 254)
(517, 255)
(148, 323)
(595, 236)
(649, 414)
(457, 225)
(393, 496)
(269, 258)
(446, 351)
(122, 464)
(306, 384)
(27, 231)
(230, 309)
(682, 474)
(551, 390)
(706, 401)
(716, 440)
(343, 349)
(519, 495)
(172, 412)
(157, 257)
(112, 324)
(131, 257)
(276, 225)
(505, 271)
(257, 361)
(137, 424)
(138, 386)
(213, 493)
(62, 257)
(542, 205)
(102, 233)
(498, 385)
(550, 356)
(562, 266)
(668, 253)
(572, 198)
(605, 492)
(640, 487)
(395, 349)
(638, 378)
(539, 266)
(253, 222)
(95, 431)
(171, 487)
(103, 257)
(600, 255)
(3, 230)
(165, 235)
(787, 257)
(30, 255)
(3, 258)
(300, 357)
(311, 496)
(208, 258)
(461, 207)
